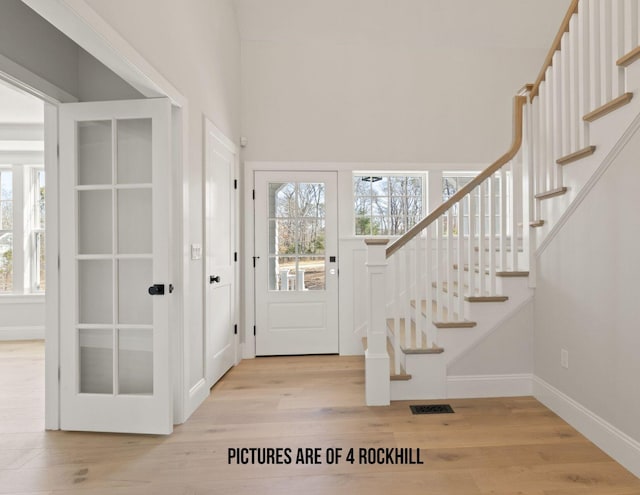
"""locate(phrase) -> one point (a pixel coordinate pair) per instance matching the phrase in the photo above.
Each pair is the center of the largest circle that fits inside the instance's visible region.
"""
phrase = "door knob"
(156, 290)
(213, 279)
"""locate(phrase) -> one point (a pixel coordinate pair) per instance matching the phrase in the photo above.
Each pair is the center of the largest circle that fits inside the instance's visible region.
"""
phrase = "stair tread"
(576, 155)
(608, 107)
(627, 59)
(486, 298)
(413, 348)
(445, 323)
(552, 193)
(537, 223)
(499, 273)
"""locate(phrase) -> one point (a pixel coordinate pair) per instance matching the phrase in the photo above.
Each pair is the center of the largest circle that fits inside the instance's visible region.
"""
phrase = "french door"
(296, 250)
(114, 266)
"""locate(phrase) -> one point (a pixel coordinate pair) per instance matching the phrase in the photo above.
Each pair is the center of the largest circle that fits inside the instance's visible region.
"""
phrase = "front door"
(114, 266)
(296, 263)
(220, 256)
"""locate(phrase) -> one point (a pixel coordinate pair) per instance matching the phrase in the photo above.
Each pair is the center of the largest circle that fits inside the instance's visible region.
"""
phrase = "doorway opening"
(22, 259)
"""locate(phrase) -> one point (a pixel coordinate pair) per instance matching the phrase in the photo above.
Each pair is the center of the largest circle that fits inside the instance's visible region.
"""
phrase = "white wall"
(195, 45)
(586, 299)
(373, 80)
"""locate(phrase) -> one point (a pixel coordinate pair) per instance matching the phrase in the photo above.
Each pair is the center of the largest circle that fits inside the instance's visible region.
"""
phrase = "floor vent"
(432, 409)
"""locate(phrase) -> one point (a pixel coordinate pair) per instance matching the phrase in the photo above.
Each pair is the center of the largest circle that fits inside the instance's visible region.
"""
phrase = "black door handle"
(156, 290)
(213, 279)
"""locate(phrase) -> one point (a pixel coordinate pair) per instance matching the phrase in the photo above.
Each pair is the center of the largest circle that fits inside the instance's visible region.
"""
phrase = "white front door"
(114, 266)
(220, 256)
(296, 249)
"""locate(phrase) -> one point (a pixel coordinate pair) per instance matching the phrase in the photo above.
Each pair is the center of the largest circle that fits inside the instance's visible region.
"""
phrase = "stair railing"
(427, 277)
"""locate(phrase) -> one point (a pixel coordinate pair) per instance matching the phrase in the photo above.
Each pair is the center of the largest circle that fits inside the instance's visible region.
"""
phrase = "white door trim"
(77, 20)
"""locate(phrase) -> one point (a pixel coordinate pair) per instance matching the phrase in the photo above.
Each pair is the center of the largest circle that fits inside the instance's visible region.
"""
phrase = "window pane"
(40, 266)
(135, 361)
(282, 271)
(6, 184)
(311, 274)
(393, 205)
(311, 236)
(281, 200)
(94, 152)
(96, 361)
(6, 262)
(40, 200)
(6, 215)
(310, 200)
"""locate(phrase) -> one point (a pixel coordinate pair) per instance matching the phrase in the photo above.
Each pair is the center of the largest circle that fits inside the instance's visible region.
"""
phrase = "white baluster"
(438, 270)
(595, 61)
(503, 220)
(541, 161)
(491, 185)
(527, 184)
(630, 25)
(398, 307)
(460, 258)
(407, 290)
(606, 50)
(565, 95)
(574, 116)
(482, 255)
(617, 46)
(428, 305)
(418, 273)
(536, 108)
(557, 122)
(472, 235)
(549, 129)
(449, 265)
(516, 188)
(584, 71)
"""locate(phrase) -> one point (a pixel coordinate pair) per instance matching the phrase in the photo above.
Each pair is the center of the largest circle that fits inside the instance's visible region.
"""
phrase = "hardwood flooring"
(489, 446)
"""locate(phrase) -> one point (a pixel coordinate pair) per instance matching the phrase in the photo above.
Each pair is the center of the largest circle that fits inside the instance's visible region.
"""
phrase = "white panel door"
(220, 201)
(114, 266)
(296, 248)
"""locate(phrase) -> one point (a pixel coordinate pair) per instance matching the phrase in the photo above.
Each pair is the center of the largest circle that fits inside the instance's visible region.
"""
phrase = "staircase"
(470, 263)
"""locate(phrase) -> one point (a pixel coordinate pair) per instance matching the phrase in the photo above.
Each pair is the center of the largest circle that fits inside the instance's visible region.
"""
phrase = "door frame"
(77, 20)
(209, 128)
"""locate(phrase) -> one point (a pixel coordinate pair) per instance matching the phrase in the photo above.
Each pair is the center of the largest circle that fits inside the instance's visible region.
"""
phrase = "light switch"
(196, 251)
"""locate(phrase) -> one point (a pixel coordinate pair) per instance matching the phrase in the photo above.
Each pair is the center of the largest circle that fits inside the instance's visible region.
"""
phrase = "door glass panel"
(311, 273)
(94, 152)
(95, 291)
(134, 151)
(96, 361)
(311, 236)
(135, 306)
(134, 221)
(135, 361)
(94, 222)
(296, 231)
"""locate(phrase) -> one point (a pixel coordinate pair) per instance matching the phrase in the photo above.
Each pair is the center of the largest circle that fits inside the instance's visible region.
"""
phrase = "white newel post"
(377, 378)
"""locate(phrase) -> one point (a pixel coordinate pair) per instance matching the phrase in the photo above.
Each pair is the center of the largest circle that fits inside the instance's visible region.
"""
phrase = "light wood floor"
(489, 446)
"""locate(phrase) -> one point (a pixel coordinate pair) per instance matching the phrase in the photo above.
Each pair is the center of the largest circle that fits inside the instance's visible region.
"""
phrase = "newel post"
(377, 380)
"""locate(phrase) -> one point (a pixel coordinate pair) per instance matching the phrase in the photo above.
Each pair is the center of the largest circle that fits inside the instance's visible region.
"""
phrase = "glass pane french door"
(114, 261)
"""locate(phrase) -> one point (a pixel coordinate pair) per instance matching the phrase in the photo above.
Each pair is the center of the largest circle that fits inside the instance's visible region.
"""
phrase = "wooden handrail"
(557, 41)
(518, 104)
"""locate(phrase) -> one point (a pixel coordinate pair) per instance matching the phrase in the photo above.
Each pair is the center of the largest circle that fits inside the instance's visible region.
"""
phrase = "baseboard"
(476, 386)
(614, 442)
(22, 333)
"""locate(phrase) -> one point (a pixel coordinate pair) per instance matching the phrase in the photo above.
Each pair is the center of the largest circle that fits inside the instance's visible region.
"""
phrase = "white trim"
(613, 441)
(590, 184)
(34, 332)
(16, 131)
(32, 83)
(476, 386)
(196, 396)
(406, 167)
(21, 157)
(22, 299)
(77, 20)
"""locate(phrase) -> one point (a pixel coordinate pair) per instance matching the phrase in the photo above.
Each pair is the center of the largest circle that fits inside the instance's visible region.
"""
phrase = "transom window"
(387, 204)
